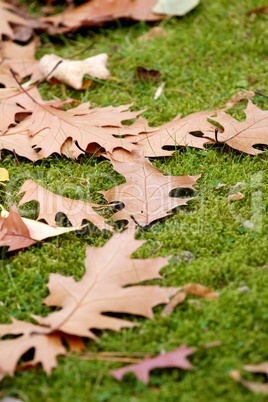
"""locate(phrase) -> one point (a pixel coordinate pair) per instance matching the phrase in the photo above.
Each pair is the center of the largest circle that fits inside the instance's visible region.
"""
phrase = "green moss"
(206, 57)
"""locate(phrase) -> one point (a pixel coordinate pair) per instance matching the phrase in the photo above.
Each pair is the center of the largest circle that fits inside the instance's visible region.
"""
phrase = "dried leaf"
(48, 129)
(258, 10)
(200, 290)
(97, 12)
(257, 368)
(244, 135)
(235, 197)
(21, 59)
(256, 387)
(13, 25)
(146, 75)
(71, 72)
(103, 289)
(47, 346)
(50, 204)
(189, 131)
(176, 358)
(145, 194)
(238, 97)
(14, 232)
(177, 299)
(17, 232)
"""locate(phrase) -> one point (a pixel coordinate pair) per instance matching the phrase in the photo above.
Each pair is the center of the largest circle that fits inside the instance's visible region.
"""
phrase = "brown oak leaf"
(146, 193)
(244, 135)
(46, 346)
(188, 131)
(176, 358)
(17, 232)
(50, 204)
(21, 59)
(49, 129)
(97, 12)
(14, 232)
(103, 289)
(13, 25)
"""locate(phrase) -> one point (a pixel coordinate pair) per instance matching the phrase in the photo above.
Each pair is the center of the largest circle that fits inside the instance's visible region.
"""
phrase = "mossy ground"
(206, 57)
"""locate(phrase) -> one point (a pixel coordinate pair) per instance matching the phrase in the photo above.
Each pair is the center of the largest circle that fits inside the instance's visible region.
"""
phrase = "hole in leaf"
(94, 148)
(196, 133)
(21, 116)
(216, 124)
(261, 147)
(182, 192)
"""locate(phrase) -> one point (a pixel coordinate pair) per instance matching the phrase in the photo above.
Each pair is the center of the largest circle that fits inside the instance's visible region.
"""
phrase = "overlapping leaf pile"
(35, 129)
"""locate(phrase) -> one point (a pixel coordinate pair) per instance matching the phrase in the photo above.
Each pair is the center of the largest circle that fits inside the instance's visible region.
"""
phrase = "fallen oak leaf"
(97, 12)
(50, 204)
(188, 131)
(13, 25)
(146, 193)
(244, 135)
(22, 61)
(17, 232)
(176, 358)
(30, 336)
(48, 129)
(103, 289)
(14, 232)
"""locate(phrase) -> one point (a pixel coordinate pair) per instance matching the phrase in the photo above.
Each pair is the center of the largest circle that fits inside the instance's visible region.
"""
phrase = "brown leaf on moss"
(146, 193)
(176, 358)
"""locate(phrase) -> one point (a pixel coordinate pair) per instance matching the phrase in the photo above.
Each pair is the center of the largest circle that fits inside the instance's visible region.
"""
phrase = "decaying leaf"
(146, 193)
(146, 75)
(176, 358)
(50, 204)
(71, 72)
(256, 387)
